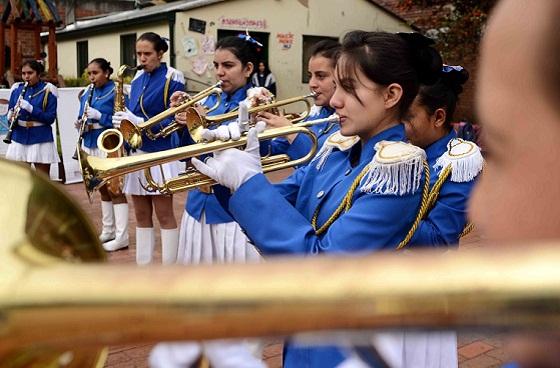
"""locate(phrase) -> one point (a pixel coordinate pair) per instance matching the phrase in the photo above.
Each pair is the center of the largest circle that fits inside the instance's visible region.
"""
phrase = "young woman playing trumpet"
(363, 190)
(321, 82)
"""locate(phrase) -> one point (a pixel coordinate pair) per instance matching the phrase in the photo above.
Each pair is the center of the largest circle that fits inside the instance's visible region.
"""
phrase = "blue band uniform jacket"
(446, 220)
(197, 201)
(44, 112)
(103, 101)
(150, 94)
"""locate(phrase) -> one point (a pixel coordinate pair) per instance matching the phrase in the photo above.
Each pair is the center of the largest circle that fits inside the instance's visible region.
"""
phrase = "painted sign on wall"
(242, 23)
(285, 40)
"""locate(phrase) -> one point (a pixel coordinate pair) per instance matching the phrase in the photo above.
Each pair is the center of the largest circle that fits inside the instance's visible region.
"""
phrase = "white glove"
(233, 167)
(26, 106)
(223, 133)
(9, 114)
(93, 113)
(128, 115)
(231, 131)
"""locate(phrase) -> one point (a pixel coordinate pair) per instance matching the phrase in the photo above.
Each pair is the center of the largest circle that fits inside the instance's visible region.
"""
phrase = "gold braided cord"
(434, 193)
(423, 206)
(467, 229)
(344, 205)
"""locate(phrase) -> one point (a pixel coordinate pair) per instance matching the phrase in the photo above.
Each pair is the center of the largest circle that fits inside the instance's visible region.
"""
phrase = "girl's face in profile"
(361, 104)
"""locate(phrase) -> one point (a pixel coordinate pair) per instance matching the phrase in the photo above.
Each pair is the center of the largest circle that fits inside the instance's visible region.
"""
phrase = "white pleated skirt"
(41, 153)
(418, 349)
(94, 152)
(132, 181)
(200, 242)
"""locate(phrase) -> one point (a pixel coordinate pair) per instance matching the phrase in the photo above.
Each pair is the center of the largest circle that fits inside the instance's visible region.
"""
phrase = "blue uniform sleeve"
(289, 187)
(106, 120)
(447, 219)
(48, 115)
(276, 227)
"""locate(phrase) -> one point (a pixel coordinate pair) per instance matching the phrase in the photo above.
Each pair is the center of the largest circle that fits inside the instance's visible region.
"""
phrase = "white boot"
(121, 236)
(169, 245)
(108, 221)
(145, 240)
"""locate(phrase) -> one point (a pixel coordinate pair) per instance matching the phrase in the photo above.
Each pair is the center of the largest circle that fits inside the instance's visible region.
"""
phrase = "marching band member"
(32, 139)
(114, 207)
(321, 81)
(351, 198)
(428, 125)
(150, 94)
(208, 233)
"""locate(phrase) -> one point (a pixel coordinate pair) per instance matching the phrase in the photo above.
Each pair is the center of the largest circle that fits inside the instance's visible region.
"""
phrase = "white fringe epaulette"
(176, 75)
(52, 88)
(396, 169)
(465, 159)
(335, 140)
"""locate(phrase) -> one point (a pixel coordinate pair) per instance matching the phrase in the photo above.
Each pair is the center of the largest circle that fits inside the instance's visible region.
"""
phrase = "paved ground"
(475, 350)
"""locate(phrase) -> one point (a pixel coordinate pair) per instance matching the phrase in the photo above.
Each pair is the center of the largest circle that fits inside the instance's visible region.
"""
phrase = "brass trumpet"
(196, 122)
(96, 171)
(132, 133)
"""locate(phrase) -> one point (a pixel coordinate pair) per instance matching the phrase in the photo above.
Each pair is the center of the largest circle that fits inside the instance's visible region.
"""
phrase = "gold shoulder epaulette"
(335, 140)
(464, 158)
(396, 168)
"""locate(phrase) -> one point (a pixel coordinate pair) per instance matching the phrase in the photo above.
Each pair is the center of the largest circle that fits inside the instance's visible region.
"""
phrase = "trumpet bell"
(131, 134)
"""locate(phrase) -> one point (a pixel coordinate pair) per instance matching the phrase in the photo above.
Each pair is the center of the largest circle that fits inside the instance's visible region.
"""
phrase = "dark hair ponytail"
(156, 40)
(386, 58)
(327, 48)
(35, 65)
(445, 92)
(103, 64)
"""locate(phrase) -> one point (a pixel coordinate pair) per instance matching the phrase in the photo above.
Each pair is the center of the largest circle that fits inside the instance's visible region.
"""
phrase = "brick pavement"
(475, 350)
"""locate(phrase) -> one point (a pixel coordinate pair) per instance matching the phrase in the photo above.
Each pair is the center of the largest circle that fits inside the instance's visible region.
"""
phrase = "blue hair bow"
(451, 68)
(247, 37)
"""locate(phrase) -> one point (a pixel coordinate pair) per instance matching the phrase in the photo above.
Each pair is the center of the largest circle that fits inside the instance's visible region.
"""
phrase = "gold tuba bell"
(55, 297)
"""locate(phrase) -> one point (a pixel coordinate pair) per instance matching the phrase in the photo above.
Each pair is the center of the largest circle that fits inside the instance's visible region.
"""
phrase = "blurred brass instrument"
(56, 297)
(96, 171)
(132, 133)
(196, 122)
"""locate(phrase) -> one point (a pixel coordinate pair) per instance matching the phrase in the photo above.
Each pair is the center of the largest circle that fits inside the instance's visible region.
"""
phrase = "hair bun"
(426, 59)
(454, 76)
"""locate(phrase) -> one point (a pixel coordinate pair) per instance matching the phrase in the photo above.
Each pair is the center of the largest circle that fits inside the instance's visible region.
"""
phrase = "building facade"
(286, 28)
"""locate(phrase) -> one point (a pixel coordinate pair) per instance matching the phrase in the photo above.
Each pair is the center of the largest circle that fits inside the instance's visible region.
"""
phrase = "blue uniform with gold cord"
(150, 94)
(199, 202)
(43, 97)
(446, 220)
(103, 101)
(376, 220)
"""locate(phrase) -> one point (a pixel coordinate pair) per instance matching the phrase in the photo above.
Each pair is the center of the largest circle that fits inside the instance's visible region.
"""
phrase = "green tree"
(457, 26)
